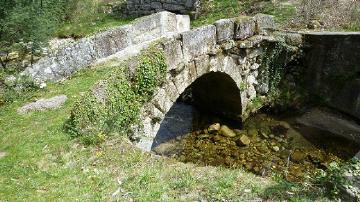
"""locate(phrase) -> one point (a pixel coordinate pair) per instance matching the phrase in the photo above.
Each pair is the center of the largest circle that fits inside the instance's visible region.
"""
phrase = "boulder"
(43, 104)
(214, 127)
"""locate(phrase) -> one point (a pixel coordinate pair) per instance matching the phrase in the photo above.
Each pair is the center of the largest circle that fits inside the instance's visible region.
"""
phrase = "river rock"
(298, 156)
(253, 132)
(243, 141)
(276, 148)
(217, 138)
(357, 156)
(226, 131)
(214, 127)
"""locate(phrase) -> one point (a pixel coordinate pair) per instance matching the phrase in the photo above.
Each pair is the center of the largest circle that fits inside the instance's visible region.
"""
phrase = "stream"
(264, 144)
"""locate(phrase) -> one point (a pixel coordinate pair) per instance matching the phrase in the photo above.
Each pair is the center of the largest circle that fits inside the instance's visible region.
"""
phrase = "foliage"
(20, 89)
(119, 99)
(334, 178)
(31, 21)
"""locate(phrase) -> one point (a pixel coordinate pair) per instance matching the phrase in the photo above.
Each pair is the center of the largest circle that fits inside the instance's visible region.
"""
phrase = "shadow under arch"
(214, 93)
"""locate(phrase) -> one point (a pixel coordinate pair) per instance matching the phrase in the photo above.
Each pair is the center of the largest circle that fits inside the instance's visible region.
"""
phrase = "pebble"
(276, 148)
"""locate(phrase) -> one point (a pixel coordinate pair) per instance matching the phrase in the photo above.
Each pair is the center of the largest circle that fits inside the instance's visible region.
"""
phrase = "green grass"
(44, 164)
(88, 26)
(217, 9)
(220, 9)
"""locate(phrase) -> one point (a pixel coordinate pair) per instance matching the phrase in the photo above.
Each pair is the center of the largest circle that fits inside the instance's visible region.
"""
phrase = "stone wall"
(333, 61)
(67, 60)
(146, 7)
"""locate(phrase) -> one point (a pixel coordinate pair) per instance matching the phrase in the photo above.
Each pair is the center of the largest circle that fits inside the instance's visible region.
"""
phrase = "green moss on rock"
(113, 104)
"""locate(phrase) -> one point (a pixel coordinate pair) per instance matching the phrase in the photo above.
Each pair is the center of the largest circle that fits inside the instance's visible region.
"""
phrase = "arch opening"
(209, 97)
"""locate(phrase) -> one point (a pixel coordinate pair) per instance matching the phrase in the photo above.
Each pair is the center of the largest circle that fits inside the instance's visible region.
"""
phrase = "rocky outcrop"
(67, 60)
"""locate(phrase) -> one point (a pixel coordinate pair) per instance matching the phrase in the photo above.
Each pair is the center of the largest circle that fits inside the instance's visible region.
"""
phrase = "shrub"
(331, 14)
(113, 104)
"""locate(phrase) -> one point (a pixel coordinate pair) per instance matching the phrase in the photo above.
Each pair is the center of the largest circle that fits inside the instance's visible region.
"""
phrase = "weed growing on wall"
(113, 104)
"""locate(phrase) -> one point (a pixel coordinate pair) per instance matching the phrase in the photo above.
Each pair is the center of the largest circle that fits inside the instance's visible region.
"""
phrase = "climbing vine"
(274, 60)
(117, 107)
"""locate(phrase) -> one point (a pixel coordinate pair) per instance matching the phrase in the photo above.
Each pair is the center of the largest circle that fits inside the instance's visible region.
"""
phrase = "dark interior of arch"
(213, 93)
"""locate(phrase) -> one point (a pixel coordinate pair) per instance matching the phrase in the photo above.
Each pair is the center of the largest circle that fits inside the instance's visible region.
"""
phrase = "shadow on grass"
(288, 191)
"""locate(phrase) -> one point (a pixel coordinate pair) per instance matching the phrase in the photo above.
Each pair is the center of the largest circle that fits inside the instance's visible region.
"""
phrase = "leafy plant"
(117, 106)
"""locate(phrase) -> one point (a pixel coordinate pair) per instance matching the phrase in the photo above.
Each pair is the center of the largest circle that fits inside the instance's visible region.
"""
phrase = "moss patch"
(113, 104)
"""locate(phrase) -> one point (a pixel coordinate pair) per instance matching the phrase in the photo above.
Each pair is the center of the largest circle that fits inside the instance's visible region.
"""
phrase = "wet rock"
(264, 135)
(357, 156)
(253, 132)
(203, 136)
(263, 148)
(226, 131)
(217, 138)
(240, 132)
(214, 127)
(298, 156)
(248, 166)
(167, 149)
(276, 148)
(243, 141)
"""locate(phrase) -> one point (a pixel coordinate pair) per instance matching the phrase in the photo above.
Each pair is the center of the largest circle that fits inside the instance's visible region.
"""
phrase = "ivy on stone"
(117, 108)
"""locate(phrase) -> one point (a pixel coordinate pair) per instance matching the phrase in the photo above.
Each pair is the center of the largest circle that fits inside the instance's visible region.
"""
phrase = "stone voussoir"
(198, 42)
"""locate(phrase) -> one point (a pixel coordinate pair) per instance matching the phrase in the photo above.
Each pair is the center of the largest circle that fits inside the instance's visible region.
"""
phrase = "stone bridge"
(225, 68)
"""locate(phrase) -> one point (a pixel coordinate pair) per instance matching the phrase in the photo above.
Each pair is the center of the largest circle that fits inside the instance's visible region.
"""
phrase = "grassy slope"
(44, 164)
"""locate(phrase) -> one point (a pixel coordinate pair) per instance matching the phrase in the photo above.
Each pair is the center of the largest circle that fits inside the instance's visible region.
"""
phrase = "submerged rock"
(243, 141)
(227, 132)
(298, 156)
(253, 132)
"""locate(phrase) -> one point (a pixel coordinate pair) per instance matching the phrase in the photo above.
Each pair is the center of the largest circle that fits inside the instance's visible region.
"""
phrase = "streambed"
(263, 144)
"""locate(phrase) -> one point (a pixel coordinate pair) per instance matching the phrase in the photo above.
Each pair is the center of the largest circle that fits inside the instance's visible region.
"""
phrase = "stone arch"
(159, 116)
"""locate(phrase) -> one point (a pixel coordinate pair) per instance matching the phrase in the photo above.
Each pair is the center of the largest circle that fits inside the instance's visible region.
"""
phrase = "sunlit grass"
(44, 164)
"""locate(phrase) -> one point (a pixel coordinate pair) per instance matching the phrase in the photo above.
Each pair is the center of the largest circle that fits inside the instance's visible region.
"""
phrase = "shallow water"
(272, 146)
